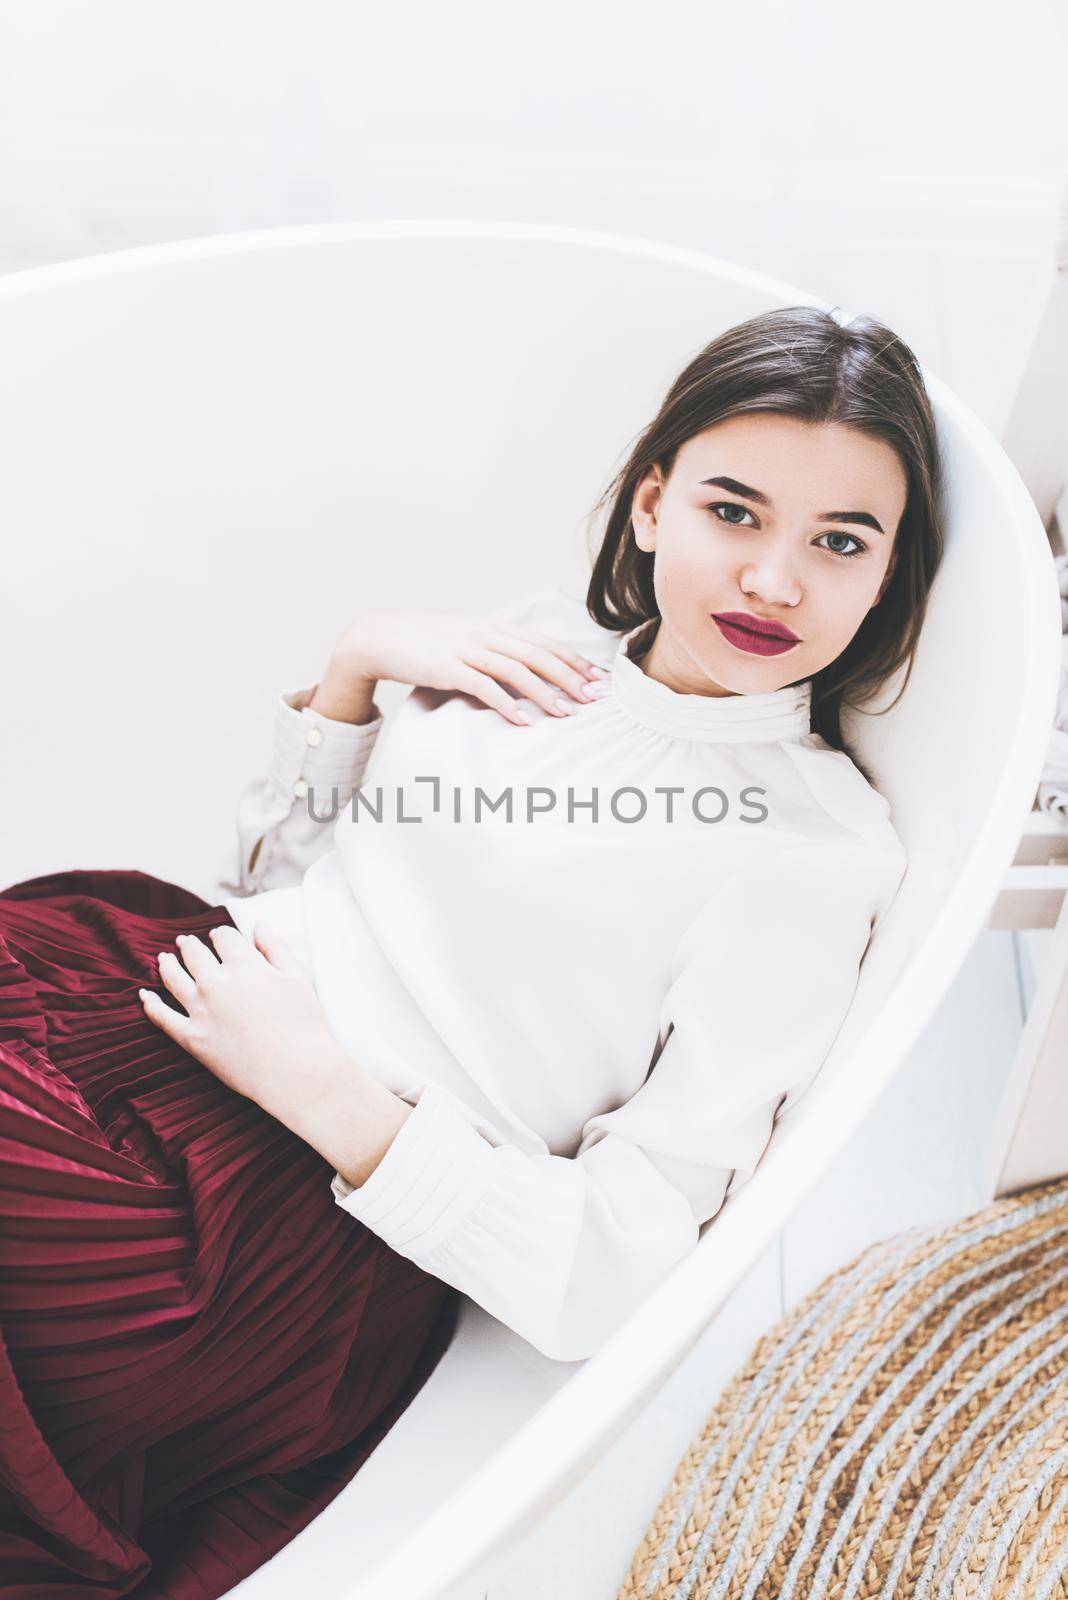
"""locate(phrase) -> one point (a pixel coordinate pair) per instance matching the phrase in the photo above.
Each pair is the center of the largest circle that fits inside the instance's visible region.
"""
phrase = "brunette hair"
(798, 360)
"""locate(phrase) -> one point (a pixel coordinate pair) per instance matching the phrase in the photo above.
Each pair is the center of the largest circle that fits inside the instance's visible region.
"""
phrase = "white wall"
(902, 158)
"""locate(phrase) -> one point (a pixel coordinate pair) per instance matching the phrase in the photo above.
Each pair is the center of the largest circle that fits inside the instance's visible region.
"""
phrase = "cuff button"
(300, 788)
(314, 736)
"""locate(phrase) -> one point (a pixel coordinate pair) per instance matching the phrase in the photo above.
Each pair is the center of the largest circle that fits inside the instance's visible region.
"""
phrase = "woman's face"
(799, 530)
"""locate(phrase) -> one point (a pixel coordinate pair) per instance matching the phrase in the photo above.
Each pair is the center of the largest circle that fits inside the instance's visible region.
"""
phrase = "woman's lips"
(757, 644)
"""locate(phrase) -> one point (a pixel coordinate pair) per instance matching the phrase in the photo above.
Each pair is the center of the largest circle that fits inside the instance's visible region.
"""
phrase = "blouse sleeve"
(564, 1248)
(283, 817)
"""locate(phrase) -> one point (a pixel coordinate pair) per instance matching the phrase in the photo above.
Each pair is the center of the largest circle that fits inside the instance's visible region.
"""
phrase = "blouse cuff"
(313, 751)
(430, 1179)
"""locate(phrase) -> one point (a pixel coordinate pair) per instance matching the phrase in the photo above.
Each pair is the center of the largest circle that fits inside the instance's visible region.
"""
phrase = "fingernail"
(599, 672)
(524, 716)
(564, 705)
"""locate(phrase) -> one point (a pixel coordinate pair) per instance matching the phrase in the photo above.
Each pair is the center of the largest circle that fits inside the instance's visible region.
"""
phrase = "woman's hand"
(474, 654)
(252, 1018)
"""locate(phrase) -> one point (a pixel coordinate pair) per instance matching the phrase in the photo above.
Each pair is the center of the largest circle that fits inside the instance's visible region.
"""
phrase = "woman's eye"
(851, 538)
(726, 506)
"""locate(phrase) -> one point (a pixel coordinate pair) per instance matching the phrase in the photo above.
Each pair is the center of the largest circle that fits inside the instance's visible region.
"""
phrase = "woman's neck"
(671, 667)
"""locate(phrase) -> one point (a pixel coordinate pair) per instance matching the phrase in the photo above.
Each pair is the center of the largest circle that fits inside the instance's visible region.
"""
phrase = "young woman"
(533, 984)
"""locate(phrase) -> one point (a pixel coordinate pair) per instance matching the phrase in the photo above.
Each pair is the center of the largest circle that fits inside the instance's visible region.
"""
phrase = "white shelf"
(1032, 892)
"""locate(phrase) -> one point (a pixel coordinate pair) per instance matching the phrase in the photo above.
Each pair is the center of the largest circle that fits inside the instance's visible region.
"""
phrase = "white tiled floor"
(917, 1158)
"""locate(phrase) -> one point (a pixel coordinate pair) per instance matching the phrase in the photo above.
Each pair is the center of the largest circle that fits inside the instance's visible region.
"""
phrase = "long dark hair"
(800, 361)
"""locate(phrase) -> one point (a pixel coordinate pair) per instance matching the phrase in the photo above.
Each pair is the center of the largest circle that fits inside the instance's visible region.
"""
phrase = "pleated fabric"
(198, 1347)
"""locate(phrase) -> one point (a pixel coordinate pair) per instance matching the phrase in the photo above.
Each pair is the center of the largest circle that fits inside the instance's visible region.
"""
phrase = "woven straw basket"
(902, 1432)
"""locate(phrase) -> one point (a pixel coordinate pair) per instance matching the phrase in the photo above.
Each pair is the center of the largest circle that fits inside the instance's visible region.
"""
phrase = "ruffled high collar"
(715, 719)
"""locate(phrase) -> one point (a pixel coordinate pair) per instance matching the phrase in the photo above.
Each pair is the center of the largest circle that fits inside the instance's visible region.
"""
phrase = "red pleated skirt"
(198, 1346)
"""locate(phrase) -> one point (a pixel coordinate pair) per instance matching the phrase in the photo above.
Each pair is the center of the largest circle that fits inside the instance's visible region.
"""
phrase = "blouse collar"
(778, 714)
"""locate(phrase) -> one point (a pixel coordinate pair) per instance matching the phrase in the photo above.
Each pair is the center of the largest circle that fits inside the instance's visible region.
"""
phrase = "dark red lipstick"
(754, 634)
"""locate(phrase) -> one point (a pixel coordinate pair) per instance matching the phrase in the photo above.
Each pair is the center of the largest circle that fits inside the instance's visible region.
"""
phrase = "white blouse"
(595, 1013)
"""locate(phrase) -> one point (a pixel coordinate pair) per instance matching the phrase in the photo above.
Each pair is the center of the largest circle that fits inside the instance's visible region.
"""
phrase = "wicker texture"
(902, 1432)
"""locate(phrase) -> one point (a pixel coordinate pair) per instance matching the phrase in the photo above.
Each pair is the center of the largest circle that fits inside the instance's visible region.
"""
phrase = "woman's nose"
(772, 582)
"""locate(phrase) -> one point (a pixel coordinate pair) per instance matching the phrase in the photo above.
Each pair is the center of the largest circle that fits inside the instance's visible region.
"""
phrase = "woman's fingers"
(175, 978)
(575, 658)
(278, 952)
(487, 690)
(165, 1017)
(546, 695)
(552, 662)
(201, 961)
(228, 942)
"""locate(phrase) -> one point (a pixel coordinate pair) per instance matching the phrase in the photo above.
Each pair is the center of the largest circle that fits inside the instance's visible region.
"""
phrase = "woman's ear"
(643, 508)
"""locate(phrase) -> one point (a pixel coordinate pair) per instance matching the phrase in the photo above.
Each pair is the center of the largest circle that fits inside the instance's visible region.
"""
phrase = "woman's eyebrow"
(865, 518)
(735, 487)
